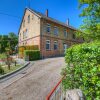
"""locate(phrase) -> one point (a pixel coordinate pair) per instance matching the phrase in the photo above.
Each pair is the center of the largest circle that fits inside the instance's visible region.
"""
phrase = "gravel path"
(37, 82)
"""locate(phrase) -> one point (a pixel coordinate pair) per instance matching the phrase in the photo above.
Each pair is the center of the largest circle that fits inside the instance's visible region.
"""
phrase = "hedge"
(22, 48)
(31, 55)
(83, 69)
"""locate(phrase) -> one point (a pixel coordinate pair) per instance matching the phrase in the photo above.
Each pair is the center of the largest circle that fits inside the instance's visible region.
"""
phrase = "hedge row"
(31, 55)
(83, 69)
(22, 48)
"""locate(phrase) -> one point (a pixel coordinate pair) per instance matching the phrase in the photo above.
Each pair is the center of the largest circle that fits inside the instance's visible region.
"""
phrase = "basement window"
(47, 44)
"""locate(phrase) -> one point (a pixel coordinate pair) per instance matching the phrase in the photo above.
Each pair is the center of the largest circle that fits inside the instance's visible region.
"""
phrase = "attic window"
(32, 17)
(28, 18)
(24, 23)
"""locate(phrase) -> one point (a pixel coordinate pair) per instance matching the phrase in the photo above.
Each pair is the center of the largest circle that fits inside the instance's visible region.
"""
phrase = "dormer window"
(48, 28)
(28, 18)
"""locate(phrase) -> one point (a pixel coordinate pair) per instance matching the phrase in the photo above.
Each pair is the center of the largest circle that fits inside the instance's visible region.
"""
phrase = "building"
(52, 37)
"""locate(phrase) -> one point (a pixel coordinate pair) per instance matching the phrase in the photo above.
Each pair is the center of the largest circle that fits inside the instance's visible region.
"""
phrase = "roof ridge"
(50, 18)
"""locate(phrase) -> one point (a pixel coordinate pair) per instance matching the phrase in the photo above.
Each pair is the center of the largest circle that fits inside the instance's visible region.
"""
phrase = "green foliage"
(32, 54)
(1, 70)
(8, 41)
(83, 69)
(22, 48)
(91, 24)
(2, 56)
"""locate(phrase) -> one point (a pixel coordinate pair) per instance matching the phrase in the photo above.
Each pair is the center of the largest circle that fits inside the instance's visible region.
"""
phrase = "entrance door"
(65, 47)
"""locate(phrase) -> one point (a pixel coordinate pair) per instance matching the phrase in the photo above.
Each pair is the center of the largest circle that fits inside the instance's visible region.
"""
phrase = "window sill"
(48, 50)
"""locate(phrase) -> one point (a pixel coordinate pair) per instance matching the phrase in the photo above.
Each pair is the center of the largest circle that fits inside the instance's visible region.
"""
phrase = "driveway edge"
(9, 74)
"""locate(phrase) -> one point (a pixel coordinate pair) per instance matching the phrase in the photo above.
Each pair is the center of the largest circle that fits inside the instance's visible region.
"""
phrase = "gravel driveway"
(37, 82)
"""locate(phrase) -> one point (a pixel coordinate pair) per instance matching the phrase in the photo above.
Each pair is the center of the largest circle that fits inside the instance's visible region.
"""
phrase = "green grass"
(2, 56)
(13, 68)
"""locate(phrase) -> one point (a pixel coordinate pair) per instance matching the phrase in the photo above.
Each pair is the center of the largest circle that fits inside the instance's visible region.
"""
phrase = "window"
(28, 18)
(25, 34)
(47, 44)
(74, 36)
(48, 28)
(32, 17)
(55, 30)
(65, 33)
(55, 45)
(20, 37)
(24, 23)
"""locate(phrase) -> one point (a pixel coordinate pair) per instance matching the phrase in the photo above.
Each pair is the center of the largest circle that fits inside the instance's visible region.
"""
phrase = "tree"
(13, 40)
(8, 41)
(91, 23)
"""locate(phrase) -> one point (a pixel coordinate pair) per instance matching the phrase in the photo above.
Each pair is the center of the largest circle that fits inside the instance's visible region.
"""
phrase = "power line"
(10, 15)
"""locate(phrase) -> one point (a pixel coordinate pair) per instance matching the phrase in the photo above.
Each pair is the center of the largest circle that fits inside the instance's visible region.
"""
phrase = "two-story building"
(52, 37)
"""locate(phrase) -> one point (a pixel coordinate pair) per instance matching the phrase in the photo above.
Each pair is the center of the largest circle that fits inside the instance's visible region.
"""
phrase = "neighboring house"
(52, 37)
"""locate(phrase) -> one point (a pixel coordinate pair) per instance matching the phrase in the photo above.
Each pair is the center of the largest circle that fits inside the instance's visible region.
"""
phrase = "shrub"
(32, 54)
(1, 70)
(83, 69)
(22, 48)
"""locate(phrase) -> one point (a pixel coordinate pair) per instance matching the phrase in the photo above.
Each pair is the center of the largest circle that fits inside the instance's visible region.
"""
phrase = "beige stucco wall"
(33, 29)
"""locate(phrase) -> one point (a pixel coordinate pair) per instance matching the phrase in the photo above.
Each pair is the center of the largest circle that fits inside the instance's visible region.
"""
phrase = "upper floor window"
(32, 17)
(28, 18)
(20, 36)
(26, 33)
(55, 30)
(65, 33)
(48, 28)
(47, 44)
(23, 35)
(55, 45)
(24, 23)
(74, 36)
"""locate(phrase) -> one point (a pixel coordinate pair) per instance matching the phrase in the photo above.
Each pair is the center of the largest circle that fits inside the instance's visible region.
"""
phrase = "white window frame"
(48, 42)
(56, 31)
(56, 43)
(48, 26)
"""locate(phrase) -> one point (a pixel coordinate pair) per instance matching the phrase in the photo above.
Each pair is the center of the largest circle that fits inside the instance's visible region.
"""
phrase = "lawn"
(12, 68)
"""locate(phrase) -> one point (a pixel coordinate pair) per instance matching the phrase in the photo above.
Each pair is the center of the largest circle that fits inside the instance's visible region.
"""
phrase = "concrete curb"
(9, 74)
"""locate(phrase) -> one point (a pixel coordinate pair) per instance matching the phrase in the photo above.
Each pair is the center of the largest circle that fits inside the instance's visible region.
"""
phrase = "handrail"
(52, 91)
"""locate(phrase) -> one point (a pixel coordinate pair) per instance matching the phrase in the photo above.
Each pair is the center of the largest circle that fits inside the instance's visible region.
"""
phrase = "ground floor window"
(47, 44)
(55, 45)
(65, 46)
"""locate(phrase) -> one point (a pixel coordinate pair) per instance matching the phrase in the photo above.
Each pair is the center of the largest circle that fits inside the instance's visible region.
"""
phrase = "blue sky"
(58, 9)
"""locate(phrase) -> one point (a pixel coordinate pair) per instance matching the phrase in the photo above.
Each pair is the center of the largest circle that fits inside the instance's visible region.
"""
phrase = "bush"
(22, 48)
(32, 54)
(1, 70)
(83, 69)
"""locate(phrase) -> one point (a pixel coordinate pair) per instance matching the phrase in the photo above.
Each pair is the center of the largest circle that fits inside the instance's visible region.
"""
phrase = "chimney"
(46, 13)
(67, 22)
